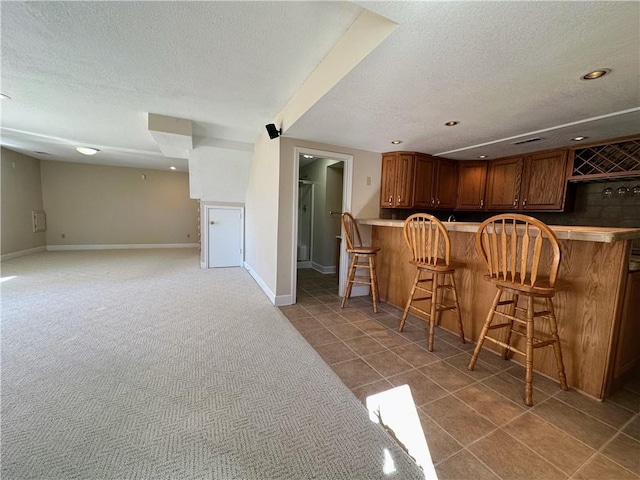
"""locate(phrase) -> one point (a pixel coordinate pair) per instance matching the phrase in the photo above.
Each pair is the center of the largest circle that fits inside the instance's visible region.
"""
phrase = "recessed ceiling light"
(4, 97)
(307, 156)
(396, 142)
(577, 139)
(172, 168)
(453, 123)
(87, 150)
(482, 156)
(42, 153)
(595, 74)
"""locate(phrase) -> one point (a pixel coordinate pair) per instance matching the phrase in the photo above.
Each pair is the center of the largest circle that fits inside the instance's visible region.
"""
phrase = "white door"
(225, 236)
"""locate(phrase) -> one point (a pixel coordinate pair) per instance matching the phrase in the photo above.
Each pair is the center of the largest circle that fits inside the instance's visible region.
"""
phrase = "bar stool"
(523, 258)
(430, 247)
(363, 258)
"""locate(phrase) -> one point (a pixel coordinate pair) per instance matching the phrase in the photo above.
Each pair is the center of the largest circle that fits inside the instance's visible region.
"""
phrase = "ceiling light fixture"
(577, 139)
(482, 156)
(452, 123)
(4, 97)
(87, 150)
(307, 156)
(43, 153)
(595, 74)
(172, 168)
(396, 142)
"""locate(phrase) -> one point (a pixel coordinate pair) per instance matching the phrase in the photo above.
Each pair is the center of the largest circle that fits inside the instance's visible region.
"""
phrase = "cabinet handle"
(515, 202)
(399, 198)
(481, 203)
(524, 204)
(432, 202)
(437, 202)
(390, 199)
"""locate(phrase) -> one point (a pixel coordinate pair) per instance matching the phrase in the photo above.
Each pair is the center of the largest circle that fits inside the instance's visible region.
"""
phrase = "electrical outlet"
(368, 180)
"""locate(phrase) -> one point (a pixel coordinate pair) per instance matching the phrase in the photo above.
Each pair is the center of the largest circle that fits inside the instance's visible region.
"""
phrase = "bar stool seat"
(522, 255)
(364, 257)
(429, 244)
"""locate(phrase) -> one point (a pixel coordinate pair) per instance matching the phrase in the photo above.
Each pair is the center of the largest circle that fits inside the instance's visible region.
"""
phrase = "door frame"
(347, 187)
(204, 229)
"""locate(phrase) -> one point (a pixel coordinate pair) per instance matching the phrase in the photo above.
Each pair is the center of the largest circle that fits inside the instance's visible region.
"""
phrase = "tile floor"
(475, 423)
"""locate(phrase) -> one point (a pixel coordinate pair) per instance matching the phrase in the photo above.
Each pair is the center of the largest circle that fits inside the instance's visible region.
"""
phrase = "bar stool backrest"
(351, 232)
(427, 239)
(518, 249)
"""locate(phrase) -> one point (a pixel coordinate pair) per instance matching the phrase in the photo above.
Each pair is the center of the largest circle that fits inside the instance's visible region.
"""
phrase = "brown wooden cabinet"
(436, 182)
(544, 184)
(628, 347)
(472, 182)
(396, 187)
(503, 185)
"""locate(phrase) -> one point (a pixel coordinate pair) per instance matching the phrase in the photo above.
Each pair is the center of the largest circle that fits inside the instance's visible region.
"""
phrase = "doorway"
(224, 236)
(323, 193)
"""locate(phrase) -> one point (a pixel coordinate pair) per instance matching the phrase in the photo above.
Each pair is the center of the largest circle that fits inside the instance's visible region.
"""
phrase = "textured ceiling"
(90, 72)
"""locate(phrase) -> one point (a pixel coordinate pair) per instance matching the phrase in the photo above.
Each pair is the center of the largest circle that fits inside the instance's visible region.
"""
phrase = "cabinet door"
(544, 183)
(447, 184)
(425, 177)
(503, 188)
(404, 180)
(628, 349)
(388, 182)
(472, 181)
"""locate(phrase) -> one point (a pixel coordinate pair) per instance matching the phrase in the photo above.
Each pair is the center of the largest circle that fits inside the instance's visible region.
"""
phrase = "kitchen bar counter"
(595, 262)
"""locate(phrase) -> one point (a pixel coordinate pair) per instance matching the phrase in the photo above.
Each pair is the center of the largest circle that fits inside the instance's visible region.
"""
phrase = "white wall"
(218, 174)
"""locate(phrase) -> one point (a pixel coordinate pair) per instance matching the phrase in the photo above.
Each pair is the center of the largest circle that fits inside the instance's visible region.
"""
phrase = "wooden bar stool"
(430, 247)
(523, 258)
(363, 258)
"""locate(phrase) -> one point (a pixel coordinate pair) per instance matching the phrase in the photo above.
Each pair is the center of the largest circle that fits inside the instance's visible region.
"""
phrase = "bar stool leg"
(406, 309)
(350, 277)
(433, 311)
(528, 390)
(485, 329)
(455, 300)
(512, 312)
(374, 282)
(556, 346)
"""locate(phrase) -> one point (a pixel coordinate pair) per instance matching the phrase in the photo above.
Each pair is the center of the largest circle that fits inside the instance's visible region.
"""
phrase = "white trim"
(123, 246)
(303, 265)
(346, 207)
(261, 284)
(22, 253)
(323, 269)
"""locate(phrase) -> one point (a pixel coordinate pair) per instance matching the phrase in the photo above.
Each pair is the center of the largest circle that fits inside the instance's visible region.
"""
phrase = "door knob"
(212, 222)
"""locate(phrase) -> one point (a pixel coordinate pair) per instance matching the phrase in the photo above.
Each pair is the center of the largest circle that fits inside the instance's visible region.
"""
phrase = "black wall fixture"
(273, 131)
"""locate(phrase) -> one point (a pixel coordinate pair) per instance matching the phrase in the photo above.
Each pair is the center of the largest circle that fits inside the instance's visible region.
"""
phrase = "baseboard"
(323, 269)
(260, 282)
(22, 253)
(123, 246)
(304, 264)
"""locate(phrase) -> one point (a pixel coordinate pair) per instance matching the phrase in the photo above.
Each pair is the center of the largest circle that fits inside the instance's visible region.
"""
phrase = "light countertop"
(563, 232)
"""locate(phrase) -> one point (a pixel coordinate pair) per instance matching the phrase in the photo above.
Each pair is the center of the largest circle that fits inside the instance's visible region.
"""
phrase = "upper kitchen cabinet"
(472, 182)
(436, 182)
(503, 187)
(397, 183)
(544, 184)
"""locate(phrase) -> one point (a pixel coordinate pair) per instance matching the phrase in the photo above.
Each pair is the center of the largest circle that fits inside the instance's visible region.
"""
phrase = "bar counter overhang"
(595, 262)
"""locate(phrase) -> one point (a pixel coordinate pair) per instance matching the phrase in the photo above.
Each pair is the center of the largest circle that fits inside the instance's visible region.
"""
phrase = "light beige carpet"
(137, 364)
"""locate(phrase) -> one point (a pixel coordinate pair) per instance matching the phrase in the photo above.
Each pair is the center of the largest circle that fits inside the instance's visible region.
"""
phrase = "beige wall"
(21, 193)
(101, 205)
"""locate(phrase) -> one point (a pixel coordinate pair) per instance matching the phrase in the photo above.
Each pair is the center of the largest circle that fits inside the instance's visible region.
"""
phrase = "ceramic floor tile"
(577, 424)
(364, 345)
(608, 412)
(512, 460)
(355, 373)
(353, 315)
(441, 444)
(633, 429)
(447, 376)
(458, 419)
(363, 392)
(481, 370)
(412, 333)
(540, 382)
(335, 352)
(388, 321)
(331, 319)
(441, 348)
(319, 310)
(415, 355)
(601, 468)
(491, 404)
(627, 399)
(387, 363)
(389, 339)
(370, 326)
(512, 388)
(558, 447)
(625, 451)
(304, 324)
(462, 466)
(423, 390)
(319, 336)
(346, 331)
